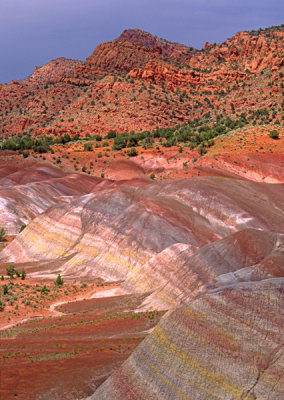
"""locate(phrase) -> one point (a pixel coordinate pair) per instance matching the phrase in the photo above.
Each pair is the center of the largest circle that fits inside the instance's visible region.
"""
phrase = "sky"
(33, 32)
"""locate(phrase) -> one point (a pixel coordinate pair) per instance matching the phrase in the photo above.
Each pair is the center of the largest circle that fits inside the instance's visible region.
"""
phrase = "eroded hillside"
(142, 240)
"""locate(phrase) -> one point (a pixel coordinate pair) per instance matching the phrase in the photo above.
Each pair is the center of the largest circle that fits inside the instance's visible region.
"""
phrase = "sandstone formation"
(134, 83)
(163, 72)
(54, 71)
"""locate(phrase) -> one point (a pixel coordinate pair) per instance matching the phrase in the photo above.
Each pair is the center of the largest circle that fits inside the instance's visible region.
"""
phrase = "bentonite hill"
(142, 223)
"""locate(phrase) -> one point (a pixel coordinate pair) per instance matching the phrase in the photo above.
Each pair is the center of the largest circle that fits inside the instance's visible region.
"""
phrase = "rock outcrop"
(162, 72)
(132, 83)
(134, 48)
(54, 71)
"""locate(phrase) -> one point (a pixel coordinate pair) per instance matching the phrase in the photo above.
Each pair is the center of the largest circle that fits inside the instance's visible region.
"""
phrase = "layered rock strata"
(113, 232)
(225, 344)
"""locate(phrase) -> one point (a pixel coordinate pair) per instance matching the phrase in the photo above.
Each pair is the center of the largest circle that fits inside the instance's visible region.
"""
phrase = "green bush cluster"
(196, 134)
(11, 272)
(23, 142)
(274, 134)
(88, 147)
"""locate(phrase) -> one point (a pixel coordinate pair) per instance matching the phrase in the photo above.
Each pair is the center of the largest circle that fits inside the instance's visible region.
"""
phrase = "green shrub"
(59, 281)
(132, 152)
(120, 142)
(44, 290)
(2, 234)
(111, 134)
(5, 289)
(22, 228)
(88, 147)
(274, 134)
(23, 275)
(10, 269)
(201, 149)
(2, 305)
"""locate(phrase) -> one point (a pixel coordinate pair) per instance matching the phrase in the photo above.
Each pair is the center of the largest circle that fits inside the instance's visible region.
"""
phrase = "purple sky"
(32, 32)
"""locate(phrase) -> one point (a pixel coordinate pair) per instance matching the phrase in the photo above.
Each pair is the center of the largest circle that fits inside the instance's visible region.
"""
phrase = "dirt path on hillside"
(51, 311)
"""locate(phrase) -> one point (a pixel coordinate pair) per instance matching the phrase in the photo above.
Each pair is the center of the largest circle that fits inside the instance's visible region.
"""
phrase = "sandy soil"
(26, 299)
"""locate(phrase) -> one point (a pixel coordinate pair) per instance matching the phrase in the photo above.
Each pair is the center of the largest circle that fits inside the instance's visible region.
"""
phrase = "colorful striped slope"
(227, 344)
(113, 232)
(177, 275)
